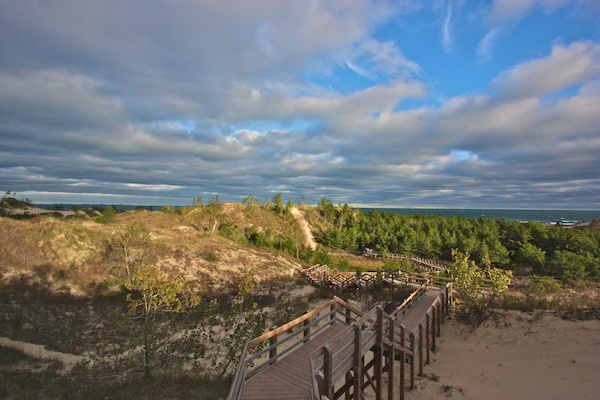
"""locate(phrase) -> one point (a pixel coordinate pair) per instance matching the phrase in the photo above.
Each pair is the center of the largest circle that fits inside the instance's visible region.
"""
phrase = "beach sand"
(516, 355)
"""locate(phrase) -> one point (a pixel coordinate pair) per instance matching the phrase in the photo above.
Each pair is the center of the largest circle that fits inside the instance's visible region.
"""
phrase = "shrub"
(543, 284)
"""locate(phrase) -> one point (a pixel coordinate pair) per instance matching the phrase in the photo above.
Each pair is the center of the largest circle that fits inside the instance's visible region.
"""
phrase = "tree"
(251, 201)
(278, 203)
(531, 255)
(151, 295)
(289, 206)
(131, 248)
(232, 330)
(108, 215)
(470, 280)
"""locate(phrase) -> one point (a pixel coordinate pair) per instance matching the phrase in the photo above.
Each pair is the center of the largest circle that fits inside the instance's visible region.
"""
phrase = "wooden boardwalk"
(325, 352)
(290, 378)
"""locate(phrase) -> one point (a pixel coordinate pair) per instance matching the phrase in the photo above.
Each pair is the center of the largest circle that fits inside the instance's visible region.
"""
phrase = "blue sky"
(459, 104)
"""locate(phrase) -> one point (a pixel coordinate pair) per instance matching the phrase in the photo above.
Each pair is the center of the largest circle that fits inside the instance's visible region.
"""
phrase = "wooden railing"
(286, 338)
(323, 276)
(343, 356)
(420, 262)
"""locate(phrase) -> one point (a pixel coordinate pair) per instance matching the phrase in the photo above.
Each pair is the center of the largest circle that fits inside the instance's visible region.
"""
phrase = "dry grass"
(72, 254)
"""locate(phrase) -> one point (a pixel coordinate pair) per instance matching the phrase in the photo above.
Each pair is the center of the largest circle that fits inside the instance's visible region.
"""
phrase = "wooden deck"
(414, 316)
(324, 355)
(289, 378)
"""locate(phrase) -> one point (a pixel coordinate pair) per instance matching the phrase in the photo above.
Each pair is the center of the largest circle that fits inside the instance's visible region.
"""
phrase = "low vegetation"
(172, 295)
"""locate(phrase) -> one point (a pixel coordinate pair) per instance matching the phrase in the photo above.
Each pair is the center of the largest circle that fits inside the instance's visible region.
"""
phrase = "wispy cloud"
(360, 71)
(485, 46)
(502, 11)
(447, 39)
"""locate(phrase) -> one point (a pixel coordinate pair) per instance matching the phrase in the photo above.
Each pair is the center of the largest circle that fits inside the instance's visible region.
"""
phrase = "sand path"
(310, 239)
(522, 356)
(39, 351)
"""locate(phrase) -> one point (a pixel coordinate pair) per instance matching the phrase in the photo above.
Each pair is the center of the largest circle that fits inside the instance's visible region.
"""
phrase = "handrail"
(378, 329)
(423, 262)
(410, 300)
(241, 374)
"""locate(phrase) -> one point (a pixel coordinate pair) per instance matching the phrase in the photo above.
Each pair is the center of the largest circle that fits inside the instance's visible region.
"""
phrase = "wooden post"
(273, 351)
(412, 362)
(402, 361)
(421, 349)
(391, 358)
(378, 353)
(433, 330)
(327, 371)
(357, 362)
(332, 317)
(348, 316)
(440, 317)
(443, 306)
(427, 330)
(306, 330)
(348, 385)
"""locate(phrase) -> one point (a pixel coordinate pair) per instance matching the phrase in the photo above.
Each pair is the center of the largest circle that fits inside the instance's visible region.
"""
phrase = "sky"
(439, 103)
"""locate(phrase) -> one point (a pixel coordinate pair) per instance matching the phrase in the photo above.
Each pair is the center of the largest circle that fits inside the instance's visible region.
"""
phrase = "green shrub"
(543, 284)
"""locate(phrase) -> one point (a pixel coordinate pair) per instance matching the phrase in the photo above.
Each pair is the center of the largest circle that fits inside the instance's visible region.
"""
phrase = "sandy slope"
(521, 356)
(310, 240)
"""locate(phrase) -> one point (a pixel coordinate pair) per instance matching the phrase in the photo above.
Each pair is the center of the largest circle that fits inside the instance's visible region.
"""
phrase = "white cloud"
(504, 11)
(447, 29)
(485, 46)
(565, 66)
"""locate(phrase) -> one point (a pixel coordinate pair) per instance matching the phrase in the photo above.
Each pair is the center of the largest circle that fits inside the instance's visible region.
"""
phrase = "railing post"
(306, 329)
(379, 353)
(332, 317)
(440, 318)
(348, 316)
(327, 371)
(443, 307)
(273, 351)
(427, 330)
(357, 362)
(391, 358)
(420, 349)
(433, 330)
(402, 361)
(412, 361)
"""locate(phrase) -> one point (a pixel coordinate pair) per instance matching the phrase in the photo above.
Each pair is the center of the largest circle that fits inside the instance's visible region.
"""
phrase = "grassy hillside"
(204, 244)
(59, 288)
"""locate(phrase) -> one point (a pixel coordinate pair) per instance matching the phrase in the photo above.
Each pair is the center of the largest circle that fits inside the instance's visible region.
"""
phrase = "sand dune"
(516, 356)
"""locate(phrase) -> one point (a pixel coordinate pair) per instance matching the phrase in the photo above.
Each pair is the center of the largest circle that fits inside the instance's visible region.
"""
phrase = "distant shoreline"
(544, 216)
(553, 217)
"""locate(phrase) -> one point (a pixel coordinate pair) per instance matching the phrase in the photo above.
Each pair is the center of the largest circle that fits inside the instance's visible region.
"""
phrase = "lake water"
(566, 217)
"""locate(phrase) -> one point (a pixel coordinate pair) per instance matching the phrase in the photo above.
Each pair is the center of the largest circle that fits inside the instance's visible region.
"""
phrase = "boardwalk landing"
(291, 376)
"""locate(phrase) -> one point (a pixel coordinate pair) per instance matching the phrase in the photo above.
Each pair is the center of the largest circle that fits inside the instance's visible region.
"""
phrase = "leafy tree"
(543, 284)
(233, 329)
(470, 280)
(251, 201)
(568, 265)
(108, 215)
(531, 255)
(151, 297)
(131, 248)
(152, 294)
(278, 203)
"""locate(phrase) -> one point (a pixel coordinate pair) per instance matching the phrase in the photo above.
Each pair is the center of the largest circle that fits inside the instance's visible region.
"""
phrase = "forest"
(565, 253)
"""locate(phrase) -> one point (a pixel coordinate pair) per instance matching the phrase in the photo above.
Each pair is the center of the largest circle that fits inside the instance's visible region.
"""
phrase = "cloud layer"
(121, 103)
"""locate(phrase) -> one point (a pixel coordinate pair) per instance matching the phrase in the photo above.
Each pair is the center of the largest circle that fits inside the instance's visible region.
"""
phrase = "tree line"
(567, 254)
